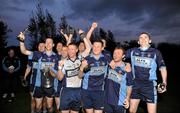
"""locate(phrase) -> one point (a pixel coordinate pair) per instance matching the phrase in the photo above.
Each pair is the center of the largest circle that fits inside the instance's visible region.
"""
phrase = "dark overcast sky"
(125, 18)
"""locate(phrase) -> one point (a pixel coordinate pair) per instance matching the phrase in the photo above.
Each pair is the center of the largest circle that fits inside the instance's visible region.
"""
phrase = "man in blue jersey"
(94, 79)
(118, 85)
(44, 84)
(41, 48)
(145, 60)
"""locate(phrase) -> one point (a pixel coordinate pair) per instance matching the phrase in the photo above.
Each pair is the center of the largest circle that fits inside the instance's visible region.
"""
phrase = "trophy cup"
(47, 82)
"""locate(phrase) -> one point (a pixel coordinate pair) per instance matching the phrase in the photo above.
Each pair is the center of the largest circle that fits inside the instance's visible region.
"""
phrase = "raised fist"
(94, 25)
(21, 37)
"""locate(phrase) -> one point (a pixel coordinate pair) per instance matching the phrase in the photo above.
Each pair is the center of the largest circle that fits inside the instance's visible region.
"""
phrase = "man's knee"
(132, 110)
(50, 109)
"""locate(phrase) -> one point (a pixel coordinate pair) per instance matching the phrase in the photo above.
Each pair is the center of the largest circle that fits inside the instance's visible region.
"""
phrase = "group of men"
(86, 76)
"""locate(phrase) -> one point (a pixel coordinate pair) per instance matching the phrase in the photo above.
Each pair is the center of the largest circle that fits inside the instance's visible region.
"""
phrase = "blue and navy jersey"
(145, 63)
(116, 85)
(35, 56)
(43, 61)
(50, 62)
(94, 79)
(71, 72)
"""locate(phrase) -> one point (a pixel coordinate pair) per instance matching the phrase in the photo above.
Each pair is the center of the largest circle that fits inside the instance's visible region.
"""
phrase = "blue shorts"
(108, 108)
(93, 99)
(70, 98)
(40, 92)
(144, 90)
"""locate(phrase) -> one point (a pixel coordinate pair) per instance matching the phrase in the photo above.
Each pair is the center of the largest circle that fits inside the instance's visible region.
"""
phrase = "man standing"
(44, 84)
(118, 85)
(145, 60)
(96, 65)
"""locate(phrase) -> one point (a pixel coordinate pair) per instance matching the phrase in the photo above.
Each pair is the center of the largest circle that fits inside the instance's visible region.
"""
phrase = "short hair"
(41, 41)
(98, 40)
(49, 38)
(148, 34)
(80, 42)
(73, 43)
(121, 48)
(9, 49)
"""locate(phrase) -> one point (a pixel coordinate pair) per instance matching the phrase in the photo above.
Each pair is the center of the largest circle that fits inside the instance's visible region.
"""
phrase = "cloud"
(154, 16)
(125, 18)
(126, 9)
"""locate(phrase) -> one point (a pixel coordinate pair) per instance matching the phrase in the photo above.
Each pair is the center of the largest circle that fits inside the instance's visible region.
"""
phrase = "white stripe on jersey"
(71, 71)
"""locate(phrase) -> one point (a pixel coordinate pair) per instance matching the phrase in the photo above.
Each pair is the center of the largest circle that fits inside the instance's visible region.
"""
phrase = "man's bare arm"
(22, 46)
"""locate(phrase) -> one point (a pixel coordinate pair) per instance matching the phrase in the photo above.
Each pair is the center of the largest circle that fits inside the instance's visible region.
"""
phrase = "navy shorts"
(31, 88)
(144, 90)
(70, 98)
(93, 99)
(108, 108)
(40, 92)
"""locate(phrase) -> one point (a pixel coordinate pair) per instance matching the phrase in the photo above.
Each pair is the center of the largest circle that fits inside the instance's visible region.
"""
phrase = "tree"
(3, 34)
(51, 25)
(41, 26)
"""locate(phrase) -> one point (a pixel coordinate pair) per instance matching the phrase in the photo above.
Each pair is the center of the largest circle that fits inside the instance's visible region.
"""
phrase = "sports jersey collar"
(92, 55)
(52, 53)
(72, 60)
(144, 49)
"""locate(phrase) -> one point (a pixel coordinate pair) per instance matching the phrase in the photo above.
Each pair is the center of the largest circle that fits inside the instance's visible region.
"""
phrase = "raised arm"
(86, 42)
(68, 38)
(22, 45)
(93, 26)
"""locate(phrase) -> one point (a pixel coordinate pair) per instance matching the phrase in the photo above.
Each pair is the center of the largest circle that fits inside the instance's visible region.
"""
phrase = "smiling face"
(72, 50)
(118, 55)
(49, 44)
(64, 51)
(144, 40)
(81, 47)
(59, 47)
(97, 48)
(41, 47)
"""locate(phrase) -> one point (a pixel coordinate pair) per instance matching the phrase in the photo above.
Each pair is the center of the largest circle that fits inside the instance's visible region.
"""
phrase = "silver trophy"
(47, 82)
